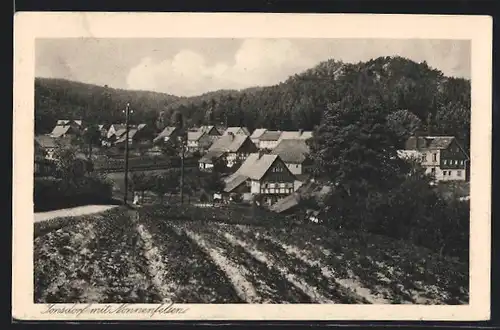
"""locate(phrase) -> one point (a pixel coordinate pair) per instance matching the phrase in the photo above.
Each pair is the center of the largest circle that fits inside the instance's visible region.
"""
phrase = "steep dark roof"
(60, 130)
(208, 157)
(292, 150)
(229, 143)
(123, 136)
(45, 141)
(428, 142)
(285, 204)
(167, 132)
(258, 133)
(236, 130)
(234, 183)
(255, 166)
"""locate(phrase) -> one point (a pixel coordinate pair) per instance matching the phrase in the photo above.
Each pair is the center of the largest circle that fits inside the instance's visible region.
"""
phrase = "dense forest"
(63, 99)
(411, 94)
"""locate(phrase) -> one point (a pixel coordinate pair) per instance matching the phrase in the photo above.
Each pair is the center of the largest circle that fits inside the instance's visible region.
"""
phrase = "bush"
(413, 211)
(56, 193)
(238, 214)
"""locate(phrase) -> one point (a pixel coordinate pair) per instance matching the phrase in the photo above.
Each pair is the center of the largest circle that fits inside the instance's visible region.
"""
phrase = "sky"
(186, 67)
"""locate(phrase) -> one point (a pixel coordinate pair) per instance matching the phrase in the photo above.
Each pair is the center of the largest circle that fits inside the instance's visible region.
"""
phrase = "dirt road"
(70, 212)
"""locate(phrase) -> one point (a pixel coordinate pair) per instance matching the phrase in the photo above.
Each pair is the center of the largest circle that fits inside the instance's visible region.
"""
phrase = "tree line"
(439, 104)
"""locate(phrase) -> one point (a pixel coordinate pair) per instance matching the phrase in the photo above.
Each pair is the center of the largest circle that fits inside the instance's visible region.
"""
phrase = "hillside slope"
(122, 257)
(296, 103)
(299, 101)
(61, 99)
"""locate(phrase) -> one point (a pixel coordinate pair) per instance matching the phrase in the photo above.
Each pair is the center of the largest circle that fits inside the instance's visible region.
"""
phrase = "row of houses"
(274, 165)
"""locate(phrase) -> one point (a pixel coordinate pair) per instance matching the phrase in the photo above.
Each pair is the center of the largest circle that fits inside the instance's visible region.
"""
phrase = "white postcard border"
(31, 25)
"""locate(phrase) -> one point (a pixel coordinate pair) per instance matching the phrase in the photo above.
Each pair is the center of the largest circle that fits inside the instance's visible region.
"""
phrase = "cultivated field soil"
(129, 256)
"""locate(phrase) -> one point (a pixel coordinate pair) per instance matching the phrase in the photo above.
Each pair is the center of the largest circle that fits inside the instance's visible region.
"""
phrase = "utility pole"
(179, 123)
(127, 115)
(182, 170)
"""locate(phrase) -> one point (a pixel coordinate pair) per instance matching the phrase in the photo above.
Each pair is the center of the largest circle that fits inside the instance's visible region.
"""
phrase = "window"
(461, 162)
(434, 157)
(433, 170)
(459, 173)
(445, 161)
(271, 185)
(282, 185)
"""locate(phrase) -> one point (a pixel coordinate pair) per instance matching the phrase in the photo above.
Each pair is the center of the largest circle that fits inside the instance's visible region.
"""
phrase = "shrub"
(55, 193)
(412, 211)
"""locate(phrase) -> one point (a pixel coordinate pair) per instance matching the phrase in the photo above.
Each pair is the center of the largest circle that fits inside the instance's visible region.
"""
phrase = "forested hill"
(65, 99)
(299, 102)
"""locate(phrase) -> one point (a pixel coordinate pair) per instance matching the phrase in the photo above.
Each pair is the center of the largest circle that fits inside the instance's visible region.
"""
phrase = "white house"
(441, 156)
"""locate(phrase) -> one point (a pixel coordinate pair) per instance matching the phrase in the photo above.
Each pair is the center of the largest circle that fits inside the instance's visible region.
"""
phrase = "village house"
(140, 134)
(45, 145)
(235, 148)
(295, 154)
(441, 156)
(66, 127)
(261, 176)
(114, 131)
(43, 165)
(211, 131)
(198, 141)
(103, 129)
(237, 130)
(269, 140)
(168, 133)
(70, 122)
(296, 206)
(255, 137)
(206, 162)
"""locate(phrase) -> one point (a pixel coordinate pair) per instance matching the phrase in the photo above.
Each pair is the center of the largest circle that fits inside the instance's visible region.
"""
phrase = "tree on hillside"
(355, 152)
(172, 178)
(404, 124)
(141, 182)
(91, 136)
(353, 147)
(161, 185)
(213, 183)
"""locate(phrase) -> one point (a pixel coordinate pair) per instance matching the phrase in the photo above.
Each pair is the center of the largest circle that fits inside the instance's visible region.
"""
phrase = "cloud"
(256, 62)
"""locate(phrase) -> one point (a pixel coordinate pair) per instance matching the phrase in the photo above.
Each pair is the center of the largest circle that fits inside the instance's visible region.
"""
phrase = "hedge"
(237, 214)
(53, 193)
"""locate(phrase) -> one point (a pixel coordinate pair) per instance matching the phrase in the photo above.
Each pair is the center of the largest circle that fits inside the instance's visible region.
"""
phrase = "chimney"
(260, 152)
(231, 134)
(300, 132)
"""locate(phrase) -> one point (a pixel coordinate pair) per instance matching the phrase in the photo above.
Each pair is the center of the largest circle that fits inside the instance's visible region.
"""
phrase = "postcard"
(251, 166)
